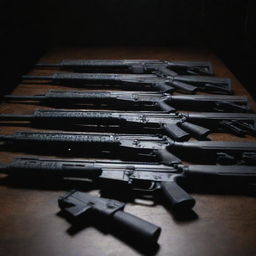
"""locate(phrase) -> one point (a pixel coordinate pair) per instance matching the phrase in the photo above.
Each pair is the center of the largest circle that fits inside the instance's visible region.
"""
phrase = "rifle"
(187, 84)
(137, 100)
(179, 126)
(165, 68)
(145, 177)
(153, 148)
(77, 204)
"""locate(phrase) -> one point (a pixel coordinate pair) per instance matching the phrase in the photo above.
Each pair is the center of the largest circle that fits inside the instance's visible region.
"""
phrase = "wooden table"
(29, 224)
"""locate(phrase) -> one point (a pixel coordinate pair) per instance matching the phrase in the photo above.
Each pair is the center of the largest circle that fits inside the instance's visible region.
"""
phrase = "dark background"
(28, 29)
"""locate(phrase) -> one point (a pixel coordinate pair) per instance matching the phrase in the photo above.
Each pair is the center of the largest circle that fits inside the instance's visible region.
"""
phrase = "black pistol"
(77, 204)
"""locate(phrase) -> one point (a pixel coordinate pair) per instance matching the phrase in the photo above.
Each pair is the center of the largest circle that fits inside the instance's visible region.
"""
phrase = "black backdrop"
(29, 28)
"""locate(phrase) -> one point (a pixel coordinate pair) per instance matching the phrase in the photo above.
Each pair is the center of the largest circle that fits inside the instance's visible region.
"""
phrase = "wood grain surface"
(222, 224)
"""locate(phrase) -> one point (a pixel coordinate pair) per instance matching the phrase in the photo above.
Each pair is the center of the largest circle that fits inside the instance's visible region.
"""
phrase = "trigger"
(143, 185)
(152, 186)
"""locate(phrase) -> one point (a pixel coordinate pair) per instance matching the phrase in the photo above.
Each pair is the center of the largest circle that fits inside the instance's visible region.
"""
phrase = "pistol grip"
(163, 87)
(196, 130)
(165, 106)
(179, 198)
(176, 133)
(165, 157)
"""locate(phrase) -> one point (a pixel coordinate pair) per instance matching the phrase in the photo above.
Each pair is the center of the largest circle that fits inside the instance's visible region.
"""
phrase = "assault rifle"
(179, 126)
(188, 84)
(136, 100)
(165, 68)
(146, 177)
(133, 146)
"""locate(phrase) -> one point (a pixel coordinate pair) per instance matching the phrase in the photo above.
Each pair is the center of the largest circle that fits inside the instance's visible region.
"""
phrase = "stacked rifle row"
(139, 129)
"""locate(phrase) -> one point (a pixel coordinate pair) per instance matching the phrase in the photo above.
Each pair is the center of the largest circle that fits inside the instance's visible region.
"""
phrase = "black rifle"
(165, 68)
(144, 177)
(188, 84)
(77, 204)
(137, 100)
(133, 146)
(179, 126)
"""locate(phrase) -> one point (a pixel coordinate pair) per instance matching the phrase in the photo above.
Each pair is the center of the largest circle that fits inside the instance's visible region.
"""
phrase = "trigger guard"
(152, 186)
